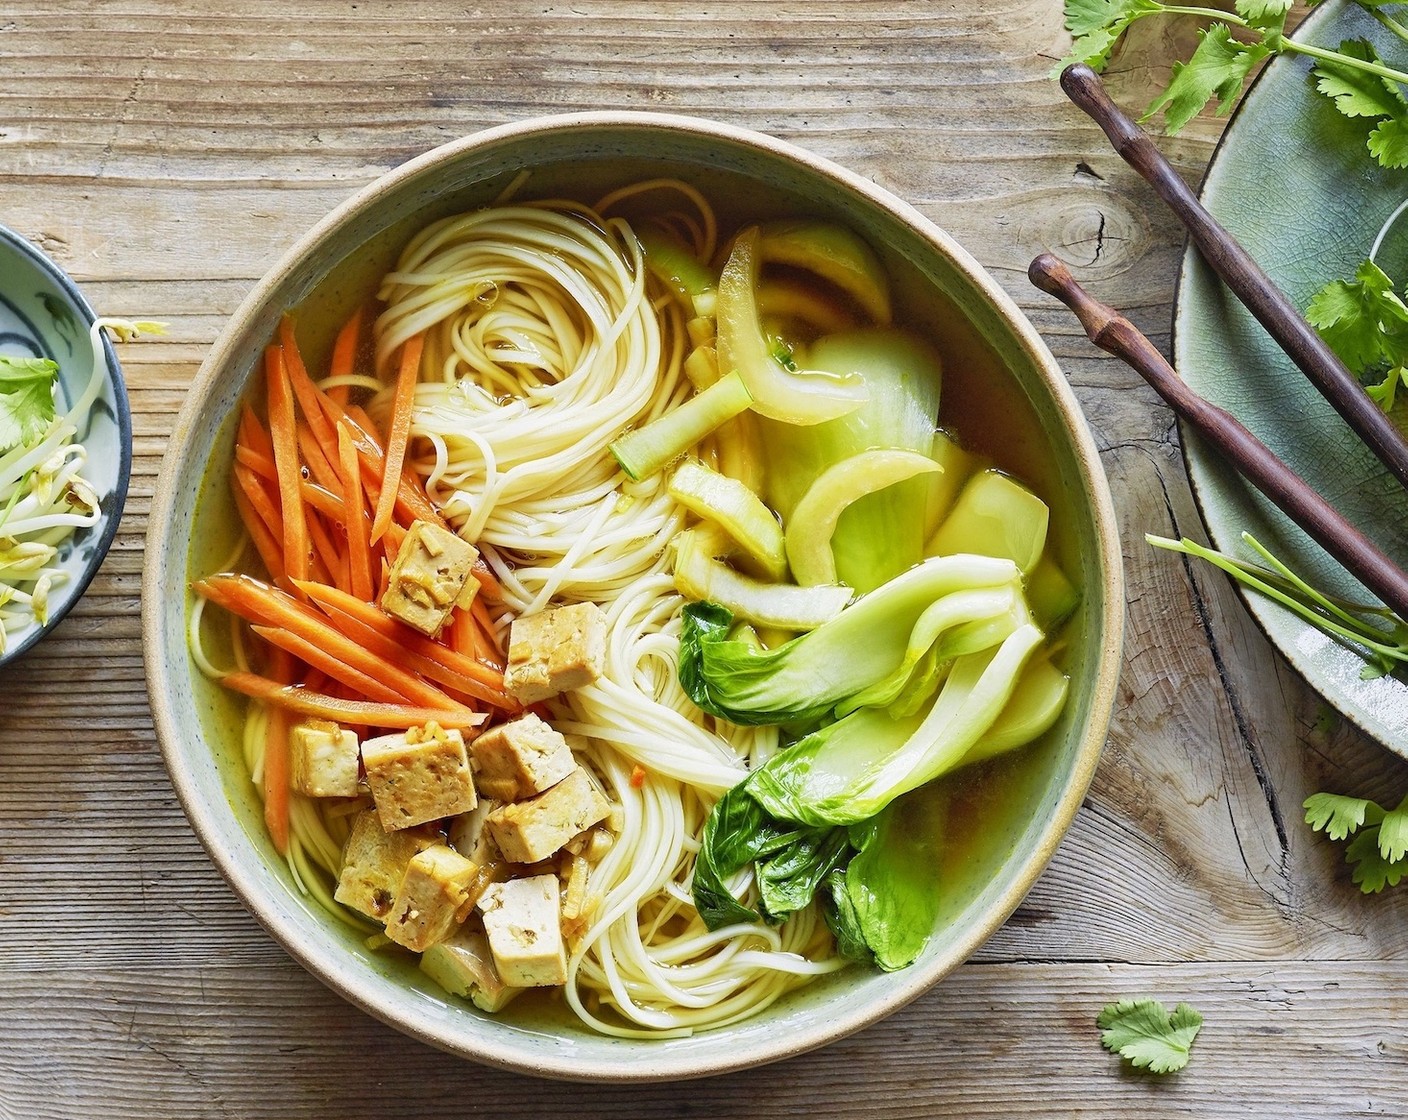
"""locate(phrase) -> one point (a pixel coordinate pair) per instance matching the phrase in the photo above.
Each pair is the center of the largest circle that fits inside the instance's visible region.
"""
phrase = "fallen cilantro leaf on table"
(1148, 1037)
(1378, 851)
(26, 400)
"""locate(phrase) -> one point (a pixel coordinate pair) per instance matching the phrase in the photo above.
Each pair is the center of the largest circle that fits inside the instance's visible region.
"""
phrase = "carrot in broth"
(285, 439)
(359, 551)
(399, 433)
(321, 706)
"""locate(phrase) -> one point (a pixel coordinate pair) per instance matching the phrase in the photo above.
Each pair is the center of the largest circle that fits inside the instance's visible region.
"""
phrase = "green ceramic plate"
(1294, 182)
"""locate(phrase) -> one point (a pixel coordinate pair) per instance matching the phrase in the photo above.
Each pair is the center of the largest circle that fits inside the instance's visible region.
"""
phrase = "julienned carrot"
(261, 501)
(412, 502)
(326, 663)
(399, 433)
(333, 558)
(253, 434)
(325, 501)
(256, 601)
(428, 667)
(285, 439)
(326, 473)
(359, 553)
(375, 619)
(276, 760)
(344, 350)
(270, 549)
(487, 647)
(322, 706)
(307, 393)
(489, 585)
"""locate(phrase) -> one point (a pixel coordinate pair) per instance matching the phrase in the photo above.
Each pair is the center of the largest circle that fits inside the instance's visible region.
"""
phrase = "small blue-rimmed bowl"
(44, 315)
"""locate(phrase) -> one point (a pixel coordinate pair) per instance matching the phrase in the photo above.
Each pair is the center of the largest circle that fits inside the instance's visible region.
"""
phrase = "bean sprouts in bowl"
(578, 434)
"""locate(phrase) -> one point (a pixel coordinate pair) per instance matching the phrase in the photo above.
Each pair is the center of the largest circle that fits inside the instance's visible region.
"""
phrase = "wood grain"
(167, 153)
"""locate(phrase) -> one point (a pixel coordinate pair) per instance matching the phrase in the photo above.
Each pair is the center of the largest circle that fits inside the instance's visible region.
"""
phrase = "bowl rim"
(122, 411)
(664, 1063)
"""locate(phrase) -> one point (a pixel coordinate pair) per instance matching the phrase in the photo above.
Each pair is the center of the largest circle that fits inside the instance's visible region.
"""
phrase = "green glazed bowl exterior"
(205, 766)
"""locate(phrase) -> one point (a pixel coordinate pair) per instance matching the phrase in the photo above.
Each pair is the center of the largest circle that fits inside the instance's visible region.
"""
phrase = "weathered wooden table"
(167, 153)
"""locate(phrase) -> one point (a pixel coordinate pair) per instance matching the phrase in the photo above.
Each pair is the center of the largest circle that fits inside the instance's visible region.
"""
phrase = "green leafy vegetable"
(888, 897)
(1148, 1037)
(1378, 851)
(1365, 322)
(1232, 44)
(850, 770)
(863, 645)
(26, 400)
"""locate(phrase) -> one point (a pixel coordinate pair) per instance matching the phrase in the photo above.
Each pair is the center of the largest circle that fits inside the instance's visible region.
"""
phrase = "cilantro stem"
(1338, 59)
(1389, 22)
(1202, 13)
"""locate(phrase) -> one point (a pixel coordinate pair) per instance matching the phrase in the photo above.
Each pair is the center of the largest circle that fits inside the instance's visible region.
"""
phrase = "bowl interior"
(1002, 384)
(43, 315)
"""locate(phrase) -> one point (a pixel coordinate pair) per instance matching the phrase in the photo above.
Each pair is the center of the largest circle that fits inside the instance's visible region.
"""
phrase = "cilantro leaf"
(1336, 815)
(1218, 69)
(1147, 1036)
(1389, 143)
(1379, 851)
(1363, 320)
(1086, 16)
(1265, 14)
(1372, 871)
(1355, 93)
(26, 400)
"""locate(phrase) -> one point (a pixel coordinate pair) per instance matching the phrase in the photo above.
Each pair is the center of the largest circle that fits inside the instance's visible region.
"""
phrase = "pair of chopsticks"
(1256, 462)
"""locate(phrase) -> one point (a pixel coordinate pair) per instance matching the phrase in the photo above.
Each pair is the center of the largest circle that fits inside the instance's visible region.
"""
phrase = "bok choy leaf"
(866, 644)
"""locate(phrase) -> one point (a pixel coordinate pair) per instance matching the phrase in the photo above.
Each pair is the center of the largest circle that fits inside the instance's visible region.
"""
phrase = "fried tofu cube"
(532, 830)
(420, 775)
(463, 965)
(323, 759)
(430, 577)
(516, 760)
(428, 903)
(374, 862)
(555, 651)
(523, 921)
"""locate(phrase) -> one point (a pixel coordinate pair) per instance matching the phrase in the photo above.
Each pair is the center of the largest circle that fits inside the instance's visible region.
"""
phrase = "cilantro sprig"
(1142, 1033)
(1232, 44)
(1378, 837)
(26, 400)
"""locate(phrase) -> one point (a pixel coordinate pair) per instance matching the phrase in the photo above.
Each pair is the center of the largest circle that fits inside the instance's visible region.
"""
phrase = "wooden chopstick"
(1272, 309)
(1115, 334)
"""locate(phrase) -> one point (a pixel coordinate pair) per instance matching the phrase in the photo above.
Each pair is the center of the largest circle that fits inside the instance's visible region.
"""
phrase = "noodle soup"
(538, 422)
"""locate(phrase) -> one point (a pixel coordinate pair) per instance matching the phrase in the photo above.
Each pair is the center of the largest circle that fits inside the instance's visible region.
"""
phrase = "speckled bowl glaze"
(579, 153)
(44, 315)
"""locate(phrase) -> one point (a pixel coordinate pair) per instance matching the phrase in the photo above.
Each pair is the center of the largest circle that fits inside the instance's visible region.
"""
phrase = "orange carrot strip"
(344, 350)
(253, 434)
(326, 663)
(325, 501)
(309, 395)
(359, 552)
(257, 602)
(324, 472)
(486, 647)
(400, 433)
(322, 706)
(412, 502)
(428, 667)
(374, 618)
(281, 430)
(276, 761)
(324, 548)
(265, 543)
(261, 501)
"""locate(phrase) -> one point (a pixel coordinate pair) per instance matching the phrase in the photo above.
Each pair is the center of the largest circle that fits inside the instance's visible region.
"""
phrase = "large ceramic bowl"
(44, 315)
(994, 357)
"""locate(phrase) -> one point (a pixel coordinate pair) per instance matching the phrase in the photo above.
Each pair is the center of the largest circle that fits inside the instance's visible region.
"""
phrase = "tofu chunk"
(532, 830)
(430, 577)
(374, 862)
(420, 775)
(555, 651)
(429, 901)
(516, 760)
(464, 966)
(323, 759)
(524, 925)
